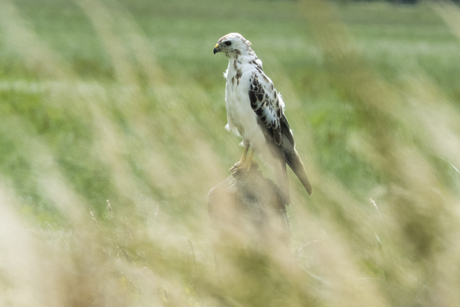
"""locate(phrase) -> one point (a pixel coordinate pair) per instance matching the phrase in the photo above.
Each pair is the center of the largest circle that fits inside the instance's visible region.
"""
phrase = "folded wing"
(268, 106)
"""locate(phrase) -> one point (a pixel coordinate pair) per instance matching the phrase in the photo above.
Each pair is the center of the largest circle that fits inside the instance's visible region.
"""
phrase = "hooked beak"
(216, 48)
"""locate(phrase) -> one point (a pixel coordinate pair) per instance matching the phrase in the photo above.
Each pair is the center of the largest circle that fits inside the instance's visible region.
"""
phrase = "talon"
(245, 163)
(235, 167)
(240, 165)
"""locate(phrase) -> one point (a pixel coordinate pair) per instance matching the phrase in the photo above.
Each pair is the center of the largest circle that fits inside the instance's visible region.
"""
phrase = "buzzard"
(255, 111)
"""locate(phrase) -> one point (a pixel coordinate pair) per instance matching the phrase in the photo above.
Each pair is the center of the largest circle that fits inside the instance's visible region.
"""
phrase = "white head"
(233, 44)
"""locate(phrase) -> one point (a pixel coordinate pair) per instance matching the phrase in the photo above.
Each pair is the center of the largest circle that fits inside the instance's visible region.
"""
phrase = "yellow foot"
(245, 163)
(244, 166)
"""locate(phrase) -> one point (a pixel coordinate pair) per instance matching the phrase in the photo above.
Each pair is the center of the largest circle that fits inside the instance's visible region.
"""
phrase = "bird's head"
(232, 44)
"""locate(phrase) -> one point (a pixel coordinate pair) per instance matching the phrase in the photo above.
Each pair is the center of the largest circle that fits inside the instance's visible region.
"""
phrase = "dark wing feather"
(267, 109)
(275, 126)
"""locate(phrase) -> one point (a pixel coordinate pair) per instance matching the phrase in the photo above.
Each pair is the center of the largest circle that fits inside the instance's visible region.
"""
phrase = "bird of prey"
(255, 111)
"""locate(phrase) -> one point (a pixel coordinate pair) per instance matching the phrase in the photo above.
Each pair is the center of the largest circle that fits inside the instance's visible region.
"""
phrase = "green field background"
(112, 120)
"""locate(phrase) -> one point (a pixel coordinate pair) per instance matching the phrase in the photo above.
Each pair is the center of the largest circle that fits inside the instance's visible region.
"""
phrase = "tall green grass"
(111, 136)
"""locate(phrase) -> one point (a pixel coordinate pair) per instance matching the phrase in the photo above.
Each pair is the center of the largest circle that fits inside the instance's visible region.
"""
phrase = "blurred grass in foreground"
(104, 175)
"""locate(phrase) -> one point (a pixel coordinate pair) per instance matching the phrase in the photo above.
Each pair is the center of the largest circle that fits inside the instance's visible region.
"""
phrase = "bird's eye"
(228, 43)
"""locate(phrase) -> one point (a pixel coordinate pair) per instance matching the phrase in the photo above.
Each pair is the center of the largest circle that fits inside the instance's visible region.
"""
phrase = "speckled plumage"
(255, 110)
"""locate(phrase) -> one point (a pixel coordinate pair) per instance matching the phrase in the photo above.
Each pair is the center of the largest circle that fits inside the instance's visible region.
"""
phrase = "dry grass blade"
(104, 178)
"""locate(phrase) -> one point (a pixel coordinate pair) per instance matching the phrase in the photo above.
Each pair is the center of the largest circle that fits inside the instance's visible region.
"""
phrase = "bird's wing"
(265, 102)
(269, 107)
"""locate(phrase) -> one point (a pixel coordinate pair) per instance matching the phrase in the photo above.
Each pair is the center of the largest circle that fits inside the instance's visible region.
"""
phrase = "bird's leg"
(245, 162)
(245, 153)
(249, 162)
(240, 164)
